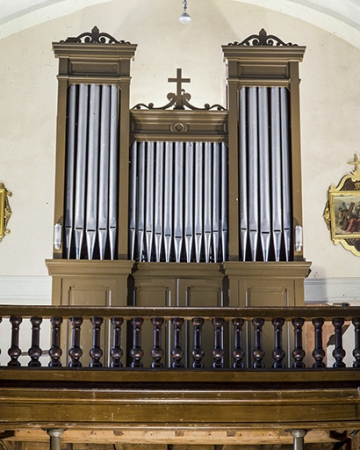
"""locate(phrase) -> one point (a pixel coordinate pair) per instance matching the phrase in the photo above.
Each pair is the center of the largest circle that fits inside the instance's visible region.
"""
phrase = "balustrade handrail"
(184, 322)
(207, 313)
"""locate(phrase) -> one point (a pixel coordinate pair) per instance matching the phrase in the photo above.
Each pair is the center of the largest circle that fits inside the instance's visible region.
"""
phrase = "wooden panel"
(259, 70)
(173, 284)
(90, 283)
(94, 292)
(154, 292)
(201, 293)
(115, 407)
(264, 285)
(262, 293)
(170, 125)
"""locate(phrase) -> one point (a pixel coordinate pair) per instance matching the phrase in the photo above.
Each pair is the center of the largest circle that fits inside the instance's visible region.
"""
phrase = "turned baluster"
(338, 352)
(96, 351)
(157, 352)
(14, 351)
(298, 352)
(258, 353)
(35, 351)
(75, 352)
(177, 352)
(136, 352)
(55, 351)
(278, 353)
(218, 352)
(356, 351)
(318, 352)
(116, 352)
(197, 352)
(238, 352)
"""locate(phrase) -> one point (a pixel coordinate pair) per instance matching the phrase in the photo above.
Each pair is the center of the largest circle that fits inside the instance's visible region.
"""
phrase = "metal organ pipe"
(276, 172)
(81, 162)
(70, 171)
(216, 224)
(189, 199)
(285, 164)
(104, 170)
(159, 199)
(198, 200)
(264, 174)
(243, 175)
(113, 168)
(178, 199)
(224, 200)
(140, 225)
(168, 199)
(149, 208)
(92, 170)
(132, 200)
(207, 200)
(253, 200)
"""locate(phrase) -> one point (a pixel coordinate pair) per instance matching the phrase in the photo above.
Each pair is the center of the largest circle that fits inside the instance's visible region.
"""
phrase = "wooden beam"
(175, 436)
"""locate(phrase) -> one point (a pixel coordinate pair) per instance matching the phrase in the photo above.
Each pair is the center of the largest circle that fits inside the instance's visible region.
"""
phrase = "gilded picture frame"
(342, 211)
(5, 211)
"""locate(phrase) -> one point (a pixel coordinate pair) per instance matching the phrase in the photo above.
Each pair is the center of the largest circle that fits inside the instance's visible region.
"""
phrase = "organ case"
(202, 205)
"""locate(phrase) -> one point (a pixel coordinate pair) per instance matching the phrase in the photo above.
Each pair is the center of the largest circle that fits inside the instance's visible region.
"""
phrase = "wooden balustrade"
(233, 345)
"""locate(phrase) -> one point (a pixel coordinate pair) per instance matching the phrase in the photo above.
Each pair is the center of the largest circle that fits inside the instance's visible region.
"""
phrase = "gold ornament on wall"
(342, 211)
(5, 211)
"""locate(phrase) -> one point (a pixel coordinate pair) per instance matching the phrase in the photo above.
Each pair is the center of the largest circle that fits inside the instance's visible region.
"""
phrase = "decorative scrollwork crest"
(263, 39)
(94, 37)
(180, 99)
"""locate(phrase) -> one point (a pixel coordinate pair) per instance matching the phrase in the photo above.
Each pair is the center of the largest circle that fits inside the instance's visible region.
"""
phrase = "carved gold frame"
(342, 211)
(5, 211)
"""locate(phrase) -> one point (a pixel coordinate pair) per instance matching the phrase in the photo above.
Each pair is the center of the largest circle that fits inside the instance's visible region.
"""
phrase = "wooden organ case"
(178, 205)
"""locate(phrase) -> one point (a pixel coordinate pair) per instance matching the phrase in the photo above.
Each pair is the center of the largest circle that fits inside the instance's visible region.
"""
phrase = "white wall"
(330, 110)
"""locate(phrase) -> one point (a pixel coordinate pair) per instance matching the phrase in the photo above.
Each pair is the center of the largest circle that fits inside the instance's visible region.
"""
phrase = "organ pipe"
(189, 199)
(104, 170)
(159, 199)
(168, 200)
(81, 161)
(70, 171)
(113, 168)
(243, 175)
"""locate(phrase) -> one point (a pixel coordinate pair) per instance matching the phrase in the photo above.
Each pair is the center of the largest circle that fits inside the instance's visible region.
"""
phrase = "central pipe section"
(178, 202)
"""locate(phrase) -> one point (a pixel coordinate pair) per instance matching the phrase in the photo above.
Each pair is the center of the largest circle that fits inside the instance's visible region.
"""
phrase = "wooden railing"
(194, 337)
(174, 338)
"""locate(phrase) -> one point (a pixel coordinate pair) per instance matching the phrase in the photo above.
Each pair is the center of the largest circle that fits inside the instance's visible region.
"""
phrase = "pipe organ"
(178, 205)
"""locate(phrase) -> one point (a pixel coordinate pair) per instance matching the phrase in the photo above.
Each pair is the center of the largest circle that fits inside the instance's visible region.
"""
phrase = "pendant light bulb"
(185, 18)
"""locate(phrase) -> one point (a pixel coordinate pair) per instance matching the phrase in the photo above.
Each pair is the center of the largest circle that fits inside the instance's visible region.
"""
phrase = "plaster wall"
(330, 110)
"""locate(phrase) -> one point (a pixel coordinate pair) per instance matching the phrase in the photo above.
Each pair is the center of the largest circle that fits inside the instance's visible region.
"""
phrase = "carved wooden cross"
(356, 163)
(178, 80)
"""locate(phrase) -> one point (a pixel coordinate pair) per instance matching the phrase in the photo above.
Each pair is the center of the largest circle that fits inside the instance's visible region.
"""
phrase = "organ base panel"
(96, 283)
(120, 283)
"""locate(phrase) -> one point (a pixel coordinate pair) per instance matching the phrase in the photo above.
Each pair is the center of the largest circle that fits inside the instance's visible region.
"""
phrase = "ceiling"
(339, 17)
